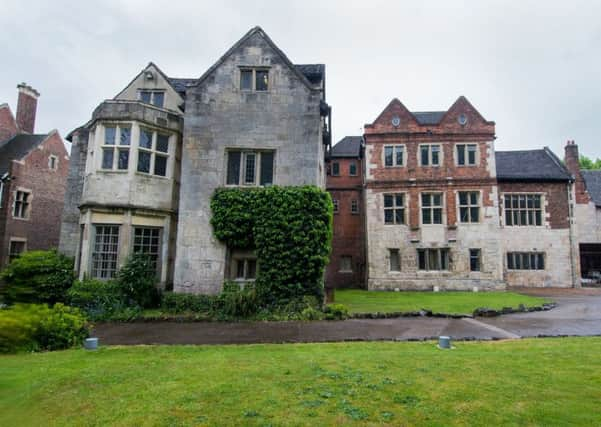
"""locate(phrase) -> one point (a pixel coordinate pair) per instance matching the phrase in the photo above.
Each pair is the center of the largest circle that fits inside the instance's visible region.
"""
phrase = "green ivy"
(290, 229)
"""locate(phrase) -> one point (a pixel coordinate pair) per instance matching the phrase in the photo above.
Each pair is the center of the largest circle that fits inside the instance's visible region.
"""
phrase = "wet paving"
(577, 314)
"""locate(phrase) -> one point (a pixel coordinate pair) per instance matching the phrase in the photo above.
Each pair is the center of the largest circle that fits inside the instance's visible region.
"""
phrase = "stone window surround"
(479, 259)
(443, 206)
(245, 256)
(29, 203)
(12, 240)
(430, 145)
(480, 207)
(405, 207)
(443, 259)
(257, 152)
(390, 252)
(530, 253)
(394, 152)
(456, 154)
(97, 136)
(543, 203)
(254, 69)
(159, 260)
(92, 251)
(153, 151)
(53, 162)
(116, 147)
(152, 95)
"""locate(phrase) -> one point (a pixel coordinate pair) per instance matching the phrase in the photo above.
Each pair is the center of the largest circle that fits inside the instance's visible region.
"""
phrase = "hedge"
(290, 229)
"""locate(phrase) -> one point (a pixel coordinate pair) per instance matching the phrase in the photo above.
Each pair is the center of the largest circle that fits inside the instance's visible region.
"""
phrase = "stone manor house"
(421, 199)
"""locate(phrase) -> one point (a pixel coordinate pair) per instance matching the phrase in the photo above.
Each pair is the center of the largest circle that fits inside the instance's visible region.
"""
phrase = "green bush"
(336, 312)
(37, 327)
(290, 229)
(137, 279)
(236, 302)
(181, 303)
(37, 277)
(100, 300)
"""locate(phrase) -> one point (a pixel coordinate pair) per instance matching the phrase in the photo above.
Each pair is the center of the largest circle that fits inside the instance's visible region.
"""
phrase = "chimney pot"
(27, 105)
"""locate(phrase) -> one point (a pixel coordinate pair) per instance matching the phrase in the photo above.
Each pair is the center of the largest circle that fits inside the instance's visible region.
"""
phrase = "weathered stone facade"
(182, 136)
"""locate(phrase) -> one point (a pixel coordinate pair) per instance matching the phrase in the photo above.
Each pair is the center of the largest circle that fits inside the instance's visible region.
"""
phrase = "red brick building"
(33, 174)
(344, 182)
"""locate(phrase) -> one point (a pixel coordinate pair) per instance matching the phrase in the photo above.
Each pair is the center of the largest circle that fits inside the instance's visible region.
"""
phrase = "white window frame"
(116, 147)
(430, 150)
(27, 213)
(396, 148)
(395, 207)
(432, 208)
(466, 149)
(531, 255)
(154, 152)
(93, 252)
(469, 206)
(526, 209)
(244, 152)
(254, 70)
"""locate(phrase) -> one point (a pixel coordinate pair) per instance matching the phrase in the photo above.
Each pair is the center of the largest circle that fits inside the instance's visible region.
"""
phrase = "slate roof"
(592, 180)
(530, 165)
(17, 147)
(349, 146)
(181, 84)
(313, 72)
(428, 117)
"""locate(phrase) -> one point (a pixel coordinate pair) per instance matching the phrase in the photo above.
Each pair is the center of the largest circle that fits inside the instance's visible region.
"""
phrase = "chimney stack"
(27, 105)
(572, 161)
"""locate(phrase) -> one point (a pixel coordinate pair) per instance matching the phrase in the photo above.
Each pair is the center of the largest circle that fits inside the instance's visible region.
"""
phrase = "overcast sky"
(532, 67)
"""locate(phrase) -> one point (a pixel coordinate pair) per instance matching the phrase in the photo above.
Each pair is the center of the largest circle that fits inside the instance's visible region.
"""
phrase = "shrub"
(235, 301)
(290, 229)
(37, 277)
(137, 279)
(180, 303)
(336, 312)
(98, 299)
(36, 327)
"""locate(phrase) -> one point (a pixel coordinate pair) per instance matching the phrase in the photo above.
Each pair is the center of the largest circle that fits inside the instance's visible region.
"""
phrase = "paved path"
(575, 314)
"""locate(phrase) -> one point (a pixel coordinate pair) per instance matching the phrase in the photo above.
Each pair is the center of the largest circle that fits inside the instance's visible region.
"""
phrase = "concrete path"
(575, 314)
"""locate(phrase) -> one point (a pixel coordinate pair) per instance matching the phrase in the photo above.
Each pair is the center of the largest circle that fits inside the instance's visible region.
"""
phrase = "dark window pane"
(160, 165)
(424, 156)
(471, 154)
(463, 214)
(475, 259)
(399, 216)
(537, 202)
(436, 200)
(353, 169)
(145, 96)
(399, 200)
(541, 261)
(388, 216)
(246, 79)
(123, 160)
(125, 136)
(143, 161)
(444, 259)
(240, 269)
(163, 143)
(421, 259)
(399, 156)
(266, 168)
(435, 155)
(262, 81)
(109, 135)
(474, 214)
(474, 198)
(426, 216)
(107, 158)
(233, 167)
(437, 216)
(461, 154)
(388, 200)
(145, 138)
(425, 199)
(510, 264)
(335, 169)
(388, 156)
(463, 198)
(249, 171)
(158, 99)
(508, 220)
(251, 267)
(539, 219)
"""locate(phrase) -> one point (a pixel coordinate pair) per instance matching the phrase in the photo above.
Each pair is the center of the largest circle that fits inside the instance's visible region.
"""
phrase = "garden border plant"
(290, 229)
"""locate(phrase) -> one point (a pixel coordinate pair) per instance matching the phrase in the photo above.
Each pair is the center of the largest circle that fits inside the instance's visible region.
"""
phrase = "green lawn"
(360, 301)
(522, 382)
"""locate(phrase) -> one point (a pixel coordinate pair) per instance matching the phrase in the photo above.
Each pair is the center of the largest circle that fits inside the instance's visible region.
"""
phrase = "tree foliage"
(290, 229)
(588, 163)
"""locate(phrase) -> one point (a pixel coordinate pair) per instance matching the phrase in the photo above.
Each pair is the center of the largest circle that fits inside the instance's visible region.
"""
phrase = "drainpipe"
(573, 258)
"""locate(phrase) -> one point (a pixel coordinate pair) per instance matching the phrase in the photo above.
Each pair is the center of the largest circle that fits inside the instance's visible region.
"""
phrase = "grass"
(523, 382)
(360, 301)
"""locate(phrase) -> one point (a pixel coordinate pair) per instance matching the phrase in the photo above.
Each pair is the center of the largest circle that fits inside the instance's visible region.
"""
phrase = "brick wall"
(8, 125)
(41, 229)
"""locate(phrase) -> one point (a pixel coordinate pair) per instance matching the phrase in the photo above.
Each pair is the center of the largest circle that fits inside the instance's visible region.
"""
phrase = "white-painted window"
(394, 208)
(105, 251)
(430, 155)
(469, 206)
(394, 155)
(432, 208)
(523, 209)
(22, 204)
(250, 167)
(115, 147)
(466, 154)
(153, 152)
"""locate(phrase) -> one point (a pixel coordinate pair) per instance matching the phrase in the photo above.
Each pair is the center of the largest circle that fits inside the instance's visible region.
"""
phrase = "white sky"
(534, 67)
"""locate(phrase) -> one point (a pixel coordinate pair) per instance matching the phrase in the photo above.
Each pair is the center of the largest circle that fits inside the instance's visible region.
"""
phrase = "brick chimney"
(572, 160)
(27, 105)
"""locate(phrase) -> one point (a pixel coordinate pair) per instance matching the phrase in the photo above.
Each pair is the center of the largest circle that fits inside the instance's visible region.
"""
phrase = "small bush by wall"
(37, 277)
(137, 279)
(290, 229)
(100, 300)
(37, 327)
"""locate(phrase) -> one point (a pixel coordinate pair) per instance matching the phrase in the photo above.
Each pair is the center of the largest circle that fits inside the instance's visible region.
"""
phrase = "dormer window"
(254, 79)
(156, 98)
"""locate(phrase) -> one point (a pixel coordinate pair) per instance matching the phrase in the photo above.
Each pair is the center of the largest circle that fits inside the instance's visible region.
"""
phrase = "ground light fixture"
(91, 344)
(444, 342)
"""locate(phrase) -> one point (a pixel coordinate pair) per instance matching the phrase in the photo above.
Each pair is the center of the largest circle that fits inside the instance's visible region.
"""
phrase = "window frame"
(394, 253)
(475, 253)
(396, 148)
(10, 253)
(466, 150)
(512, 256)
(469, 206)
(153, 152)
(152, 92)
(335, 169)
(341, 265)
(244, 152)
(93, 241)
(159, 245)
(395, 207)
(116, 147)
(517, 212)
(254, 70)
(351, 166)
(336, 204)
(432, 208)
(430, 156)
(355, 207)
(53, 162)
(442, 255)
(25, 212)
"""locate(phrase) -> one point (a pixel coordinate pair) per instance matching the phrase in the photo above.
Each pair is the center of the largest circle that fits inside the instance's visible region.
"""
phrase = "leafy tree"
(588, 163)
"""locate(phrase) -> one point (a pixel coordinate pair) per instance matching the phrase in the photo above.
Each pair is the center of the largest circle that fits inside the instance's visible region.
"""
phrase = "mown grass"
(524, 382)
(360, 301)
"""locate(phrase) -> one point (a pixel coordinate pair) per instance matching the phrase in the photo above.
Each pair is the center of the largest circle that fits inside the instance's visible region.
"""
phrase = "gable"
(395, 109)
(8, 124)
(159, 81)
(462, 107)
